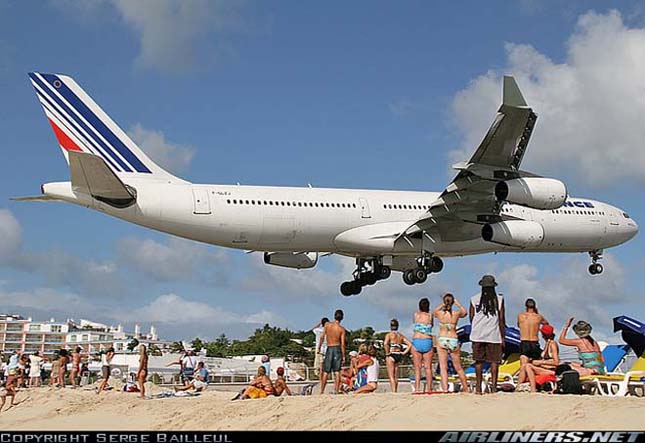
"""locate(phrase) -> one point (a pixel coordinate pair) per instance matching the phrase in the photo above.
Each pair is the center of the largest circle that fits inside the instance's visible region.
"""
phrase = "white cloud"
(566, 290)
(172, 157)
(178, 259)
(178, 34)
(590, 106)
(10, 235)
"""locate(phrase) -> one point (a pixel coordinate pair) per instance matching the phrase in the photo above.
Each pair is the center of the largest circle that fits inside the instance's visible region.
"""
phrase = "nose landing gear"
(595, 267)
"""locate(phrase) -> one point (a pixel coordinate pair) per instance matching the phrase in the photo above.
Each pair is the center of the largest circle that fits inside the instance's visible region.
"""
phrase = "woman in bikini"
(548, 361)
(396, 345)
(592, 362)
(447, 342)
(422, 351)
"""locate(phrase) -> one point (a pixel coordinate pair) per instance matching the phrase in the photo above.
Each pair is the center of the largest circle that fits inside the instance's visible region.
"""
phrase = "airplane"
(490, 206)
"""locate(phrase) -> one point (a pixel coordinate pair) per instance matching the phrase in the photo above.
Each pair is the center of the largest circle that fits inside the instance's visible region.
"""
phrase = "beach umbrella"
(633, 332)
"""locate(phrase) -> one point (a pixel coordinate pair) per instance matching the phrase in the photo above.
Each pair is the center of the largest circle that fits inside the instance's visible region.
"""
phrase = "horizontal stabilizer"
(91, 175)
(512, 94)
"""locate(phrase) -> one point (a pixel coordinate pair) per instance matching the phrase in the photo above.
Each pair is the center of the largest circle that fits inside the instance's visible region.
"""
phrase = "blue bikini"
(422, 345)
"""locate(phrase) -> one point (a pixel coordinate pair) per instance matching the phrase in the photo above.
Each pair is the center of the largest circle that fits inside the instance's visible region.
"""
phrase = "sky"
(363, 94)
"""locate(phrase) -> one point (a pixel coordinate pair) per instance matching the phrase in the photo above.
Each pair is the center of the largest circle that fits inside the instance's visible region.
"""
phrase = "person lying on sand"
(280, 384)
(199, 382)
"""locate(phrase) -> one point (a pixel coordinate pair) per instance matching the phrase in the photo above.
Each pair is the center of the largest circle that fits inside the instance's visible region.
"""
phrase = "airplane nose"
(633, 228)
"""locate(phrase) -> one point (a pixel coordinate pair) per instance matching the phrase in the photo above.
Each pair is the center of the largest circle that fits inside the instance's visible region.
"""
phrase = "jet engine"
(518, 233)
(298, 260)
(534, 192)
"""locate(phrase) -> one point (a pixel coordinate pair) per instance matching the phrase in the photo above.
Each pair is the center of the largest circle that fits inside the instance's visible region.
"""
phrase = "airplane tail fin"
(81, 125)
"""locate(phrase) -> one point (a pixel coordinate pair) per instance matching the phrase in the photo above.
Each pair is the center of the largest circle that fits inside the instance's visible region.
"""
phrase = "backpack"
(567, 381)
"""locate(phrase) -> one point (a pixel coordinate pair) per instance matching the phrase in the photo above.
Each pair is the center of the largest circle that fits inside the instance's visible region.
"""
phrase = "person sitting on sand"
(422, 350)
(529, 323)
(396, 346)
(199, 381)
(372, 368)
(548, 361)
(142, 373)
(447, 341)
(280, 384)
(260, 387)
(592, 361)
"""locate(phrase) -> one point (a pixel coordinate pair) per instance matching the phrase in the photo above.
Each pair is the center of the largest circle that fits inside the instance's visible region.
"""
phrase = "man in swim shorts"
(334, 335)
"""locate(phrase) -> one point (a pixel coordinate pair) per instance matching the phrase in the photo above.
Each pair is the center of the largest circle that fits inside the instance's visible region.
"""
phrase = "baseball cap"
(280, 371)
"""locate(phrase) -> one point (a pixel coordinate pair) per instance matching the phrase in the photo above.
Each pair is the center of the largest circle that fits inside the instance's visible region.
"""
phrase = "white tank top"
(372, 371)
(485, 328)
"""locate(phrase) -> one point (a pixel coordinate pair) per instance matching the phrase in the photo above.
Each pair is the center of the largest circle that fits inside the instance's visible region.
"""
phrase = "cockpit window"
(626, 215)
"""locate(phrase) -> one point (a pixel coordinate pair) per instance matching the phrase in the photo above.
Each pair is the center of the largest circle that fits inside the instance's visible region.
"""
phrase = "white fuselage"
(259, 218)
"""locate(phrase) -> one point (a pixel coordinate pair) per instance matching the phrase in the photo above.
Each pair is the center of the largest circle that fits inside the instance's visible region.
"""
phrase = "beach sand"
(47, 409)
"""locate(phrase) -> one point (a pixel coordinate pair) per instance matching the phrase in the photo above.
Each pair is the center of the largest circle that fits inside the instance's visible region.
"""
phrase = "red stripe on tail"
(63, 139)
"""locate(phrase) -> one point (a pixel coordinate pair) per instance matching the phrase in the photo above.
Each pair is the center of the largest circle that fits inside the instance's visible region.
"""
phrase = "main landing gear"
(595, 267)
(367, 273)
(427, 265)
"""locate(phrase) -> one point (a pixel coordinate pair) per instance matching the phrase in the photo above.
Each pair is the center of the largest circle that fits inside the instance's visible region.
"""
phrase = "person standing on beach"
(488, 328)
(529, 323)
(63, 359)
(422, 345)
(142, 373)
(318, 359)
(447, 340)
(106, 359)
(53, 375)
(35, 361)
(334, 335)
(396, 345)
(75, 373)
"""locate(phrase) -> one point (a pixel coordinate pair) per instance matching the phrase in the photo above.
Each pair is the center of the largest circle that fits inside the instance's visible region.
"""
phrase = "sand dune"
(45, 409)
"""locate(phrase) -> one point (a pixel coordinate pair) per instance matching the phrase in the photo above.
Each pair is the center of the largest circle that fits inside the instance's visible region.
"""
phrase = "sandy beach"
(46, 409)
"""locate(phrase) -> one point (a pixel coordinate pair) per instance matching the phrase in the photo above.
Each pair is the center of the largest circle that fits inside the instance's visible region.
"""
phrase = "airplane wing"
(469, 200)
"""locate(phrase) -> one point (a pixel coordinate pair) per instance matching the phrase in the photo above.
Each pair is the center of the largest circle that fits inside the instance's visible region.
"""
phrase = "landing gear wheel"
(369, 279)
(436, 264)
(347, 288)
(408, 277)
(599, 268)
(384, 272)
(356, 287)
(420, 275)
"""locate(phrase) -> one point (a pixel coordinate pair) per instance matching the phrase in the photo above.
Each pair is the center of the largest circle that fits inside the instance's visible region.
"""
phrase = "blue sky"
(358, 94)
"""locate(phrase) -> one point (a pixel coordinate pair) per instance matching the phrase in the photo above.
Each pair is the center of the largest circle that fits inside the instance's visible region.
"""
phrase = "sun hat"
(582, 329)
(547, 329)
(487, 281)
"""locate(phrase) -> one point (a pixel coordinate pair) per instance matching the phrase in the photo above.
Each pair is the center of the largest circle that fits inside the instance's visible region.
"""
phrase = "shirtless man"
(529, 323)
(76, 366)
(63, 359)
(334, 336)
(280, 385)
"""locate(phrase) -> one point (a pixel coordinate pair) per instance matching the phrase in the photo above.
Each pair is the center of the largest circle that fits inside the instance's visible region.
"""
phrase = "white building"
(22, 334)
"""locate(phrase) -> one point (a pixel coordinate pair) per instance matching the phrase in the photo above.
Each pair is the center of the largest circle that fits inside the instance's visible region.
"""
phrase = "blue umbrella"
(633, 332)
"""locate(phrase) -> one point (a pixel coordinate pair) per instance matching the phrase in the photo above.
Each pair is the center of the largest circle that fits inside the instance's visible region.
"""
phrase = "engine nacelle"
(298, 260)
(518, 233)
(534, 192)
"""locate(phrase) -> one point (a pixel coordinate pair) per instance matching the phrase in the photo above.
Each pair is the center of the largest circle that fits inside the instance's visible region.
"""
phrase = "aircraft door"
(365, 208)
(201, 202)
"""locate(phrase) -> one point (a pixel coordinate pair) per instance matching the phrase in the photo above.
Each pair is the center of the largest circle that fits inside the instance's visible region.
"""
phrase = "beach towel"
(361, 378)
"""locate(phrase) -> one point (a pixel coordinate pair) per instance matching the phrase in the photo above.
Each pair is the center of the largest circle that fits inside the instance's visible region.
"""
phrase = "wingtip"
(512, 96)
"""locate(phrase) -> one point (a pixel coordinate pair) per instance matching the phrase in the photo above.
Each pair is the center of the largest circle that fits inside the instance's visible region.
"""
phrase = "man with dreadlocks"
(487, 330)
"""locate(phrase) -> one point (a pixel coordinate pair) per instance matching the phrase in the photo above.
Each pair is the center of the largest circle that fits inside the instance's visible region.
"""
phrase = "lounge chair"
(615, 384)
